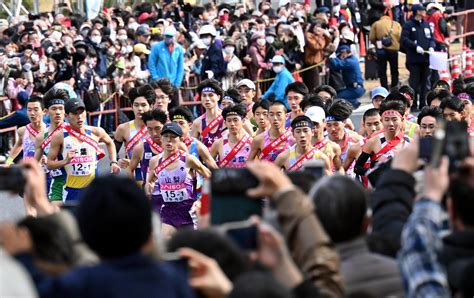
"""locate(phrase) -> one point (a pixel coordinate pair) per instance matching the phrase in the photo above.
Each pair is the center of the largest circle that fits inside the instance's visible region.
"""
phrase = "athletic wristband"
(9, 161)
(113, 162)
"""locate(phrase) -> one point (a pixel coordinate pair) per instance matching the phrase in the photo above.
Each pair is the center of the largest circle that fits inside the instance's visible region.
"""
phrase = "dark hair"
(341, 109)
(452, 103)
(303, 180)
(312, 100)
(404, 89)
(234, 94)
(155, 114)
(229, 257)
(264, 104)
(51, 242)
(325, 88)
(444, 83)
(459, 85)
(461, 190)
(240, 109)
(441, 94)
(34, 98)
(165, 86)
(55, 93)
(182, 111)
(142, 91)
(278, 103)
(258, 284)
(114, 216)
(398, 96)
(370, 113)
(396, 105)
(342, 206)
(434, 112)
(210, 83)
(297, 87)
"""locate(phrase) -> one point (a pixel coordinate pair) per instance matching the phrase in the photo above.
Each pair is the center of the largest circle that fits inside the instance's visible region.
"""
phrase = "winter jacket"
(163, 64)
(417, 33)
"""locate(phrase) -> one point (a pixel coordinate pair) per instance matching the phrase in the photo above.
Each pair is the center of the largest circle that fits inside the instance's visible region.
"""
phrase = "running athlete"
(80, 150)
(134, 131)
(247, 91)
(371, 123)
(295, 92)
(267, 145)
(382, 146)
(232, 151)
(303, 151)
(27, 134)
(410, 127)
(349, 141)
(328, 147)
(151, 146)
(54, 101)
(174, 173)
(232, 97)
(210, 125)
(164, 91)
(184, 118)
(260, 112)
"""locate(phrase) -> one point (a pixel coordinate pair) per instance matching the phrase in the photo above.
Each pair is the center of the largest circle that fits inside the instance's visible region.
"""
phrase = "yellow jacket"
(382, 27)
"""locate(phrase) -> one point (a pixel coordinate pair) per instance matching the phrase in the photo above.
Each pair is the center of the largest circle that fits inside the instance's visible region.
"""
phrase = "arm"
(255, 148)
(353, 153)
(337, 162)
(367, 151)
(215, 149)
(272, 89)
(150, 179)
(119, 137)
(282, 160)
(38, 151)
(109, 143)
(136, 157)
(405, 38)
(340, 64)
(11, 120)
(152, 60)
(54, 150)
(18, 147)
(195, 164)
(180, 71)
(206, 156)
(196, 128)
(373, 33)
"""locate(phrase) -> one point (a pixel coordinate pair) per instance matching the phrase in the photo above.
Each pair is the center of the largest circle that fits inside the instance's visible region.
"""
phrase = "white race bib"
(173, 193)
(82, 165)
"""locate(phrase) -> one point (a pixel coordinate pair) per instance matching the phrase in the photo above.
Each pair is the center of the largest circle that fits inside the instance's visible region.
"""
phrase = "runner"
(410, 126)
(80, 149)
(328, 147)
(383, 146)
(209, 126)
(27, 134)
(54, 101)
(428, 120)
(260, 112)
(247, 91)
(295, 92)
(371, 123)
(232, 151)
(303, 151)
(174, 172)
(349, 141)
(232, 97)
(267, 145)
(132, 132)
(164, 92)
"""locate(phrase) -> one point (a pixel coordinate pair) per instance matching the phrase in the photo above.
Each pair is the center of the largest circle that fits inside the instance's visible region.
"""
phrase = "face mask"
(299, 14)
(277, 69)
(283, 19)
(129, 49)
(96, 39)
(229, 50)
(253, 30)
(123, 37)
(169, 41)
(261, 42)
(35, 58)
(111, 52)
(270, 39)
(133, 26)
(207, 41)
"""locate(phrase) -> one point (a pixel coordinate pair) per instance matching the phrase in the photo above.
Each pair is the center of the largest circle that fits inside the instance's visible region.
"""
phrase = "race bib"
(56, 173)
(173, 193)
(81, 165)
(148, 155)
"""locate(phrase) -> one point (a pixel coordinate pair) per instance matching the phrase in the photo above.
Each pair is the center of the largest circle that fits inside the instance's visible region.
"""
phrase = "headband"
(464, 96)
(302, 123)
(227, 97)
(55, 102)
(390, 113)
(232, 113)
(334, 118)
(208, 89)
(408, 96)
(179, 117)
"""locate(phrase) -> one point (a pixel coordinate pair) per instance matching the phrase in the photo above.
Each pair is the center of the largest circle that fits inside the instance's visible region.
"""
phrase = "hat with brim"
(246, 82)
(140, 48)
(172, 127)
(74, 105)
(316, 114)
(417, 7)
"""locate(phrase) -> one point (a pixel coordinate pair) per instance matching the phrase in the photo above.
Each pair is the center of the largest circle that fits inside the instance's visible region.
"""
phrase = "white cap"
(278, 59)
(246, 82)
(170, 31)
(316, 114)
(208, 29)
(199, 44)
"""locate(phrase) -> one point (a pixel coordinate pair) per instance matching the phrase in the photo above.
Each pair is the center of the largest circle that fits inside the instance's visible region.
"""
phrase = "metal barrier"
(468, 25)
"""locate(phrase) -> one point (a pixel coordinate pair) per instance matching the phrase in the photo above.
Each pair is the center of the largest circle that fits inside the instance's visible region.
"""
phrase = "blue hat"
(323, 9)
(344, 48)
(417, 7)
(379, 91)
(22, 97)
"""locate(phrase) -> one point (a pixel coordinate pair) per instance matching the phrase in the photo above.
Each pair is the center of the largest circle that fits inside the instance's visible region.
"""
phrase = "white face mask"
(133, 26)
(229, 50)
(207, 41)
(270, 39)
(277, 69)
(261, 42)
(96, 39)
(123, 37)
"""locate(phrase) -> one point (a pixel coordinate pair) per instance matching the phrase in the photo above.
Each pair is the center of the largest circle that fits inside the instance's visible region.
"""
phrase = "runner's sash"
(136, 138)
(299, 163)
(213, 124)
(48, 139)
(225, 161)
(87, 139)
(153, 145)
(276, 142)
(32, 131)
(169, 160)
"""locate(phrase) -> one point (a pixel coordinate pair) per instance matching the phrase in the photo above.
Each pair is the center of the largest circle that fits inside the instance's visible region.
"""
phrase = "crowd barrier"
(468, 25)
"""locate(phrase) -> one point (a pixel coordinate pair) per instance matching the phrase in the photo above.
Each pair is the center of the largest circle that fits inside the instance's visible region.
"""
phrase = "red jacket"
(438, 25)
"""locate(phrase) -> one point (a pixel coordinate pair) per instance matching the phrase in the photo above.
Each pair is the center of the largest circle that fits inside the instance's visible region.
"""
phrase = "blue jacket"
(417, 33)
(282, 79)
(163, 64)
(18, 118)
(214, 61)
(350, 70)
(131, 276)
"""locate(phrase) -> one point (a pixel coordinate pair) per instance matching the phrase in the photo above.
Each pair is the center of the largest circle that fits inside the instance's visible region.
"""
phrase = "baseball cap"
(316, 114)
(344, 48)
(141, 48)
(278, 59)
(73, 105)
(247, 83)
(378, 91)
(142, 30)
(417, 7)
(173, 128)
(170, 31)
(143, 17)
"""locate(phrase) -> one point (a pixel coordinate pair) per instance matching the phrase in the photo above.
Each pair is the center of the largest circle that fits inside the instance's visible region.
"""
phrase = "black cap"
(173, 128)
(73, 105)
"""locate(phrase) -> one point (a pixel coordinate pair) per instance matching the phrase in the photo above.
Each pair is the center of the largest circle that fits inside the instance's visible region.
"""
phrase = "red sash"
(389, 146)
(213, 124)
(48, 139)
(169, 160)
(277, 142)
(154, 146)
(32, 131)
(320, 145)
(299, 163)
(87, 139)
(249, 107)
(234, 151)
(135, 139)
(188, 141)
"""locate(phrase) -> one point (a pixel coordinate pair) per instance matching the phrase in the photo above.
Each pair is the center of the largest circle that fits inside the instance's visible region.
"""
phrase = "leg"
(351, 95)
(414, 81)
(382, 69)
(393, 60)
(425, 72)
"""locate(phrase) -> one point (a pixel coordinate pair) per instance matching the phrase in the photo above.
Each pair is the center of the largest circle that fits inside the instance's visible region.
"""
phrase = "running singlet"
(327, 147)
(349, 138)
(240, 157)
(388, 153)
(209, 138)
(29, 138)
(135, 137)
(273, 154)
(148, 153)
(295, 163)
(81, 170)
(288, 120)
(58, 176)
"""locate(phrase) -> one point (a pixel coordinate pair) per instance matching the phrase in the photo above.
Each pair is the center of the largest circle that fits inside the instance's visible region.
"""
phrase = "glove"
(210, 74)
(333, 55)
(431, 50)
(420, 50)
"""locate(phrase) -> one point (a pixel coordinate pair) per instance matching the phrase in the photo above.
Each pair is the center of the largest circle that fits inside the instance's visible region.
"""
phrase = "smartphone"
(12, 179)
(456, 143)
(229, 201)
(154, 30)
(315, 167)
(244, 234)
(426, 149)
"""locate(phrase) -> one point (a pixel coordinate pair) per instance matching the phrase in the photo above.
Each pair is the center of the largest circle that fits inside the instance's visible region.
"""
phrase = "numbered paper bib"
(148, 155)
(56, 173)
(82, 165)
(173, 193)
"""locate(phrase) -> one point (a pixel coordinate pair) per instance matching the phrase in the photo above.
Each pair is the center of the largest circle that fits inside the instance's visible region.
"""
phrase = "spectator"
(256, 52)
(283, 78)
(232, 62)
(377, 95)
(213, 65)
(19, 117)
(316, 40)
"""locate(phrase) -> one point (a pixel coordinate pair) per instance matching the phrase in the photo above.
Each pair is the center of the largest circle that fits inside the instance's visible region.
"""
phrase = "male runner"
(134, 131)
(371, 123)
(232, 151)
(164, 92)
(267, 145)
(260, 111)
(410, 126)
(247, 91)
(79, 147)
(328, 147)
(174, 172)
(303, 151)
(428, 120)
(295, 93)
(210, 125)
